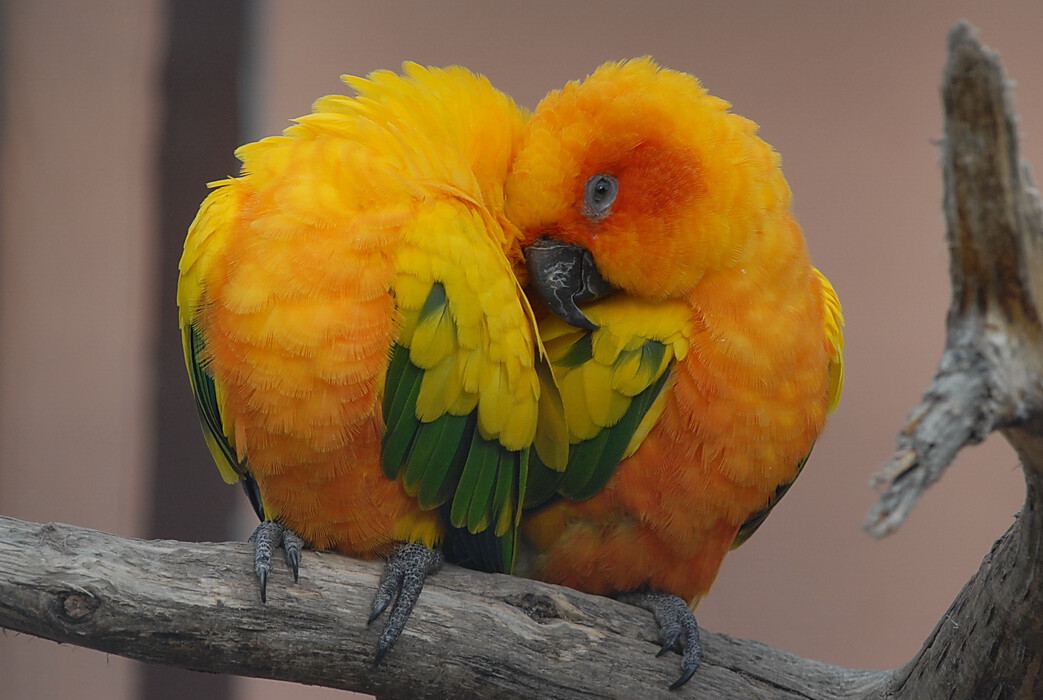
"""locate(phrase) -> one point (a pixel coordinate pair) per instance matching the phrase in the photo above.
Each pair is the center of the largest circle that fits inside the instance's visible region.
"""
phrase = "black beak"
(562, 275)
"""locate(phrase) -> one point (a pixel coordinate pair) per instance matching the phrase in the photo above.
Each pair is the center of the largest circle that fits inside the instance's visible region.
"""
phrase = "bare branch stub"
(990, 374)
(990, 377)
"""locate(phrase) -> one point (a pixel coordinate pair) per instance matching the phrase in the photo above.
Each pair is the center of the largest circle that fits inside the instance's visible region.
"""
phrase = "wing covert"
(612, 382)
(466, 383)
(207, 235)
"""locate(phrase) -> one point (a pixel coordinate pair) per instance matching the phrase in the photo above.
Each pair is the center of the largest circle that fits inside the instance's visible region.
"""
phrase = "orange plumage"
(350, 297)
(297, 339)
(698, 236)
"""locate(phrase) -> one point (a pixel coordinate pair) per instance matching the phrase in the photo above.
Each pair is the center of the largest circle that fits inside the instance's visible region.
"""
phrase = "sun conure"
(696, 348)
(360, 351)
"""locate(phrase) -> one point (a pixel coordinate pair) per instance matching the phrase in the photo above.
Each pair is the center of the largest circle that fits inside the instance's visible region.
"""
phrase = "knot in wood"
(540, 608)
(76, 607)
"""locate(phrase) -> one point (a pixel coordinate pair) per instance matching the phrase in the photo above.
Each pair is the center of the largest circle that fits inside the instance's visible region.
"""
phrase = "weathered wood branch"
(991, 373)
(478, 635)
(990, 642)
(472, 635)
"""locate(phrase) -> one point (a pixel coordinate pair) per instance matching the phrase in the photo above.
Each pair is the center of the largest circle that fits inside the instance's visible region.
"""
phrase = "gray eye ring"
(598, 195)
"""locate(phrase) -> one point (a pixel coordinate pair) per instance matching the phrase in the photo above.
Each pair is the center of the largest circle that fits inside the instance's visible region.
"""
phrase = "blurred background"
(114, 115)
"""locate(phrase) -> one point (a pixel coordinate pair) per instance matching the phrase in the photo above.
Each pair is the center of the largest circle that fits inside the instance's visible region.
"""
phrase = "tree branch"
(480, 635)
(991, 373)
(990, 377)
(472, 635)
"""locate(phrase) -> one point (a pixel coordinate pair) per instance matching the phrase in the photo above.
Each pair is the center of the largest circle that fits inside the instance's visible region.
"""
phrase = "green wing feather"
(207, 236)
(444, 442)
(610, 380)
(205, 392)
(592, 462)
(402, 385)
(206, 399)
(446, 462)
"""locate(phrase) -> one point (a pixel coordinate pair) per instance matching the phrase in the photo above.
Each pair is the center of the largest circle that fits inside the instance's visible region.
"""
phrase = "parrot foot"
(268, 537)
(677, 628)
(403, 579)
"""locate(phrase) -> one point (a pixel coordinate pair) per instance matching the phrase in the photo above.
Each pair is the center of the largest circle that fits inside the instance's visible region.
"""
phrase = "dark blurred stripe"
(200, 127)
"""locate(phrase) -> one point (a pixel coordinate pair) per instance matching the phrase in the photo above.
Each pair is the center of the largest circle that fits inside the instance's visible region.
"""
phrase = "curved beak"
(564, 274)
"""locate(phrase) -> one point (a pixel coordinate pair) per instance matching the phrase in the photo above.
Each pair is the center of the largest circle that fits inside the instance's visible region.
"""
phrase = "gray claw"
(402, 580)
(677, 628)
(269, 536)
(292, 544)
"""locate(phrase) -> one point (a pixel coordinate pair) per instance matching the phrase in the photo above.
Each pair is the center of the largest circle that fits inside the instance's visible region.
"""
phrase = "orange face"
(640, 166)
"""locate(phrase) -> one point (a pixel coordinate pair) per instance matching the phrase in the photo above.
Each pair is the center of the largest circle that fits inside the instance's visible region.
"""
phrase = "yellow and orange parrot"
(696, 348)
(361, 353)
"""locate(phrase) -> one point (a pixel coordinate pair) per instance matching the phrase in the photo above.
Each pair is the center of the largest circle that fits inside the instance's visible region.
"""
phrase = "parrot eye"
(599, 193)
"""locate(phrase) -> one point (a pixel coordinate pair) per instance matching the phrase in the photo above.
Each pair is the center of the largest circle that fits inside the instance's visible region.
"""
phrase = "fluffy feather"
(706, 258)
(372, 228)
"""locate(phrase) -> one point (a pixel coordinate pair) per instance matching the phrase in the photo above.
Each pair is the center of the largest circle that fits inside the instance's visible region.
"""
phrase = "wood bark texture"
(989, 644)
(477, 635)
(196, 605)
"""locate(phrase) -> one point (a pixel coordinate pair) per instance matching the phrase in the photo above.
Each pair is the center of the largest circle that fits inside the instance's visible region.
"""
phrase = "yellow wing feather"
(396, 194)
(597, 392)
(207, 236)
(834, 326)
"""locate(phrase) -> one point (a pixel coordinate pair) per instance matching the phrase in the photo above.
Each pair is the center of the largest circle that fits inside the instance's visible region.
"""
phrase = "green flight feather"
(436, 302)
(506, 500)
(592, 462)
(253, 492)
(480, 513)
(585, 460)
(483, 551)
(494, 548)
(543, 482)
(436, 459)
(446, 463)
(579, 352)
(206, 402)
(652, 354)
(401, 388)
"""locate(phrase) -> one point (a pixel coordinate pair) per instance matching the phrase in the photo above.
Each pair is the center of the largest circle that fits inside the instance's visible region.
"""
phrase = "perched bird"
(696, 348)
(360, 350)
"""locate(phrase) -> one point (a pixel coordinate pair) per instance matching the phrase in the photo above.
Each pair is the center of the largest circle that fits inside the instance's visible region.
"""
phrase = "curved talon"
(380, 600)
(292, 544)
(670, 631)
(402, 580)
(689, 668)
(677, 628)
(268, 536)
(262, 579)
(668, 645)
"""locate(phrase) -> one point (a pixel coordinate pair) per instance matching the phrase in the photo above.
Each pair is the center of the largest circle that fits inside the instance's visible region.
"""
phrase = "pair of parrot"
(584, 345)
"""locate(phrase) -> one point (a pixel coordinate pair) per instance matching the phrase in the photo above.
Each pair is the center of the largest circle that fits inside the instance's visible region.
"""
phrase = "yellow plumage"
(371, 227)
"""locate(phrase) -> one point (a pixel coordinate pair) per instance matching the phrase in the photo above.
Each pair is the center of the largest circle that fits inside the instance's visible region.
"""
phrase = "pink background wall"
(848, 93)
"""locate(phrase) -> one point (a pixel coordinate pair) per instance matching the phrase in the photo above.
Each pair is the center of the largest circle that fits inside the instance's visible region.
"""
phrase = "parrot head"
(638, 181)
